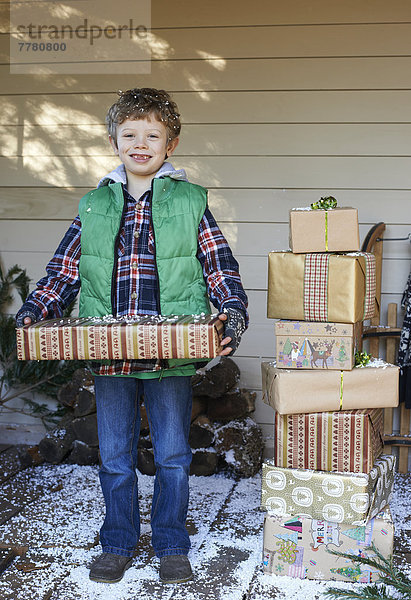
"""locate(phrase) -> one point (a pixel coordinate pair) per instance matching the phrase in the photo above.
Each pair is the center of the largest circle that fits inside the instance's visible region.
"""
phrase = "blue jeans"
(168, 406)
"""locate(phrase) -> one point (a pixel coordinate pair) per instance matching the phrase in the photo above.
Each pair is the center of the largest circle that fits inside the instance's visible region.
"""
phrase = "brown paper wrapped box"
(293, 392)
(352, 498)
(311, 345)
(297, 546)
(346, 441)
(192, 336)
(321, 287)
(333, 230)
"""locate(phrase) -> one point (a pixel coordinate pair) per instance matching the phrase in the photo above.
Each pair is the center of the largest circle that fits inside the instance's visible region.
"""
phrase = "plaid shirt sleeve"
(60, 286)
(220, 269)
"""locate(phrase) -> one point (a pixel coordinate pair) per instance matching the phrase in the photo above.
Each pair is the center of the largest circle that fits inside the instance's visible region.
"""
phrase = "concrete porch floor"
(49, 522)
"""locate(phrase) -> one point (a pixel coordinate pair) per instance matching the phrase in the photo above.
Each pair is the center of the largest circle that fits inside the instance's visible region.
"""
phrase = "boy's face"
(142, 145)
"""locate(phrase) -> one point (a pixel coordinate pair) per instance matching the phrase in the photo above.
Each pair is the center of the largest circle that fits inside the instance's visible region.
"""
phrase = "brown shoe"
(109, 568)
(175, 568)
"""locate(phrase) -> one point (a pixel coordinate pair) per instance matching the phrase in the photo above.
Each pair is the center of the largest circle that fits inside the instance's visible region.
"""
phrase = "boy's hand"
(25, 318)
(234, 327)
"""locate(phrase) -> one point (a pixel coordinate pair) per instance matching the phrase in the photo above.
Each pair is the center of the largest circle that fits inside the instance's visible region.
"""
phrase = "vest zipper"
(163, 362)
(154, 245)
(116, 245)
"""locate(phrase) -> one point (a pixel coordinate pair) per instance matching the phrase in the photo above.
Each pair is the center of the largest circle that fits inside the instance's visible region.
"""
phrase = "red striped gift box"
(188, 336)
(345, 441)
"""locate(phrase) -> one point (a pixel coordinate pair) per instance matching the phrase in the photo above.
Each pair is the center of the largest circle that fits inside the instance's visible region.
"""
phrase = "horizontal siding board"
(242, 74)
(258, 307)
(295, 106)
(279, 171)
(260, 238)
(253, 269)
(245, 239)
(254, 273)
(228, 205)
(270, 41)
(221, 139)
(233, 12)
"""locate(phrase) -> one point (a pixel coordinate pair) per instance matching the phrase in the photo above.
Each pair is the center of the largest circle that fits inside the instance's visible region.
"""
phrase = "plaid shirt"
(137, 289)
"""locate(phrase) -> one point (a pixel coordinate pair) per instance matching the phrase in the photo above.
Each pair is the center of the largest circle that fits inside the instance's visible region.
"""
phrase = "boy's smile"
(143, 146)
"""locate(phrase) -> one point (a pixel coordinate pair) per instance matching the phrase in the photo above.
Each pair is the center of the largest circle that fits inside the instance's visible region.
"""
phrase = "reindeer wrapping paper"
(352, 498)
(297, 547)
(292, 392)
(346, 441)
(321, 287)
(333, 230)
(312, 345)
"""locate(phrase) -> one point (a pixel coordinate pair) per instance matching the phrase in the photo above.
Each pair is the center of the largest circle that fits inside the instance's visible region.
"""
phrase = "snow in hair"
(137, 103)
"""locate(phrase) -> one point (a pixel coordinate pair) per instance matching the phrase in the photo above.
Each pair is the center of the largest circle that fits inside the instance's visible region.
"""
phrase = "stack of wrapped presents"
(328, 485)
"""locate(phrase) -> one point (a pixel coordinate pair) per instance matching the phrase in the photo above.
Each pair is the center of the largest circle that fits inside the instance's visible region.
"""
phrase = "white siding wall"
(281, 101)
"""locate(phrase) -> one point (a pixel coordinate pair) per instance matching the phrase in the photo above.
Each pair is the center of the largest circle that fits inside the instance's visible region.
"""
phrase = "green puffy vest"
(177, 209)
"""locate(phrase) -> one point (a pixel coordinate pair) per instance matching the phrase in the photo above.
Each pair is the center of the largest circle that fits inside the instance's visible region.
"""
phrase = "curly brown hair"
(138, 103)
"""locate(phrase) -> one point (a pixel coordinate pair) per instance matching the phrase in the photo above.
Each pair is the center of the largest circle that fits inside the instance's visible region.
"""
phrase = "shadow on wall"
(53, 130)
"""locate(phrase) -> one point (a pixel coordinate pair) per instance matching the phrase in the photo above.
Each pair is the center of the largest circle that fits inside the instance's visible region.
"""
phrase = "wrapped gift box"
(312, 345)
(333, 230)
(347, 441)
(321, 287)
(352, 498)
(291, 392)
(297, 547)
(109, 338)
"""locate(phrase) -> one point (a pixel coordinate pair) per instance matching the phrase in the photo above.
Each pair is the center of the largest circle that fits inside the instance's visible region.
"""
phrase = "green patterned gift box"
(336, 497)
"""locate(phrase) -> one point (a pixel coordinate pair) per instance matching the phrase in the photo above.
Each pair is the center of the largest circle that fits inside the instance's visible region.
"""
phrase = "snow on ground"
(225, 526)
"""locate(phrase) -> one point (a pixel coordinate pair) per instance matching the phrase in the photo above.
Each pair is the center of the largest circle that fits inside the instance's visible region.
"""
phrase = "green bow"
(325, 203)
(361, 359)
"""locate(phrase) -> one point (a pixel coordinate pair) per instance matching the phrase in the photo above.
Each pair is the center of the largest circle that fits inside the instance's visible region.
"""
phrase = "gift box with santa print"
(312, 345)
(297, 546)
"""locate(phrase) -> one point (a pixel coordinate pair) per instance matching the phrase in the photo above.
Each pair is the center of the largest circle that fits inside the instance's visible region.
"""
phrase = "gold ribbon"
(326, 204)
(326, 230)
(341, 389)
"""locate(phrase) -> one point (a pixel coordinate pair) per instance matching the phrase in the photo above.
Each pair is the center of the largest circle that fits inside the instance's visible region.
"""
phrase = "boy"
(144, 242)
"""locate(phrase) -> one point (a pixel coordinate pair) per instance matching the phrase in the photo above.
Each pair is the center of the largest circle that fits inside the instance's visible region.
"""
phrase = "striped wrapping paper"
(345, 441)
(189, 336)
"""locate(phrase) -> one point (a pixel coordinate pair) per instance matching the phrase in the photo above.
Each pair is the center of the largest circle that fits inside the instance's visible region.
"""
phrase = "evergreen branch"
(7, 398)
(19, 377)
(46, 416)
(17, 277)
(371, 592)
(383, 564)
(390, 576)
(21, 283)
